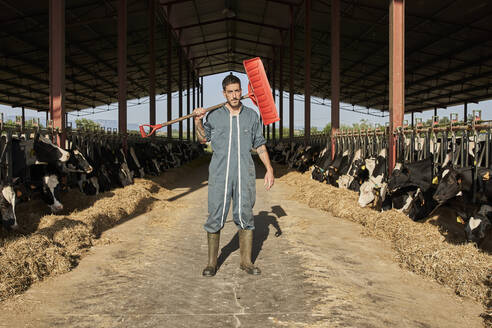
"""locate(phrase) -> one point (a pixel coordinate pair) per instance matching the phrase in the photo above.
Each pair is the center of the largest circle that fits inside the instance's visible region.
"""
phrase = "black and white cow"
(320, 169)
(10, 194)
(374, 189)
(38, 163)
(479, 225)
(338, 167)
(410, 189)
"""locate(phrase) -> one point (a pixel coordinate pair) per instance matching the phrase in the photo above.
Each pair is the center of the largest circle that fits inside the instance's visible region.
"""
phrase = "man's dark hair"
(230, 79)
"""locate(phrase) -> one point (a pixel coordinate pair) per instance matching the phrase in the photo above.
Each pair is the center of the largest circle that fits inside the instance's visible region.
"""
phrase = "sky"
(138, 110)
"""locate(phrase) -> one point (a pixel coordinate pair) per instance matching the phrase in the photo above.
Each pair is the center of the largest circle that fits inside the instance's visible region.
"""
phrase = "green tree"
(83, 123)
(444, 120)
(327, 128)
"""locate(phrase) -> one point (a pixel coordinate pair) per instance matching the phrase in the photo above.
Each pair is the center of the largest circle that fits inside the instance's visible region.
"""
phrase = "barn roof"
(448, 48)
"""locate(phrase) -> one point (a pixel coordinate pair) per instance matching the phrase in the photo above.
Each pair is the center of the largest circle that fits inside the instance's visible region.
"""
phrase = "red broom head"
(260, 91)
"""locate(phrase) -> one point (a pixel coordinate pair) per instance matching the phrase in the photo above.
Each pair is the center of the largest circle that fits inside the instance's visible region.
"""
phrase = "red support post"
(152, 62)
(201, 91)
(169, 80)
(273, 91)
(122, 58)
(281, 96)
(270, 79)
(335, 72)
(188, 109)
(396, 74)
(180, 92)
(193, 79)
(57, 68)
(291, 75)
(307, 73)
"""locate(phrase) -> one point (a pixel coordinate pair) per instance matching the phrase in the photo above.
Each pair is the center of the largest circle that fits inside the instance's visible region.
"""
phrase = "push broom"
(258, 91)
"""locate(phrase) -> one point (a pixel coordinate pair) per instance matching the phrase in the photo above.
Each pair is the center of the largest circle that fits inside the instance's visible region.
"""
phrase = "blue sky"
(320, 115)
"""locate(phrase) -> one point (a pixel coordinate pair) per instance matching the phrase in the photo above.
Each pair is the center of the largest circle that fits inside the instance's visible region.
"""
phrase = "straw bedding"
(428, 249)
(53, 244)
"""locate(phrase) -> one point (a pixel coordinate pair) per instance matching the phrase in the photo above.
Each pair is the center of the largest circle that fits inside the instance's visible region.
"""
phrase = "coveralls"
(232, 171)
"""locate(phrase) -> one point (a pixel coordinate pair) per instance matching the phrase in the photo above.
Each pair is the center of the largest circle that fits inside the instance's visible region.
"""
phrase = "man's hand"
(269, 179)
(199, 113)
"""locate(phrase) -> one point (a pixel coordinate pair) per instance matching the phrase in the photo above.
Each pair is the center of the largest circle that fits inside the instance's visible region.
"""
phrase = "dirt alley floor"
(318, 271)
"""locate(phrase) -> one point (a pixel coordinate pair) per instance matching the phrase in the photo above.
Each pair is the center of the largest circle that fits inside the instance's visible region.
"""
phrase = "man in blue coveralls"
(233, 131)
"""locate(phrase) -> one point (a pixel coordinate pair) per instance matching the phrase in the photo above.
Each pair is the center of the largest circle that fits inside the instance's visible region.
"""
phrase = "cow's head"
(8, 199)
(476, 228)
(47, 152)
(77, 161)
(449, 186)
(51, 193)
(399, 177)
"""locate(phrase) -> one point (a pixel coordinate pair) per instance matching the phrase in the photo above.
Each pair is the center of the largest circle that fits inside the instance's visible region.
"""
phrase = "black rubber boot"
(245, 247)
(213, 250)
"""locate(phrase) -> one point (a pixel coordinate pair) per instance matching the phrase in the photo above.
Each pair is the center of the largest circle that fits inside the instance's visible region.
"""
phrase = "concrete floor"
(317, 271)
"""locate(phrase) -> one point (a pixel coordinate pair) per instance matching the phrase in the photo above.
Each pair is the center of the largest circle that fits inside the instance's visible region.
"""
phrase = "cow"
(11, 192)
(322, 164)
(338, 167)
(375, 188)
(38, 163)
(478, 225)
(410, 189)
(453, 183)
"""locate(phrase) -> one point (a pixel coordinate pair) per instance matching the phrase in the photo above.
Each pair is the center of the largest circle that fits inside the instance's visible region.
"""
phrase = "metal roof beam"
(230, 38)
(220, 64)
(233, 19)
(475, 99)
(445, 57)
(451, 95)
(425, 18)
(408, 53)
(90, 53)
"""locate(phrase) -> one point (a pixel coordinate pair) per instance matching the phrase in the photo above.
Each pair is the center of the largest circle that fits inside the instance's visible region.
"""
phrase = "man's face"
(232, 93)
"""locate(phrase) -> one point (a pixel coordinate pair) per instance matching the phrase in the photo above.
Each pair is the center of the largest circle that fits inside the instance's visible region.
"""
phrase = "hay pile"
(54, 244)
(420, 247)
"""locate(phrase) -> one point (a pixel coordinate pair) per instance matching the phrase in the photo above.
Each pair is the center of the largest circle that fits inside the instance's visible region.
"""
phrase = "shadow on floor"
(262, 230)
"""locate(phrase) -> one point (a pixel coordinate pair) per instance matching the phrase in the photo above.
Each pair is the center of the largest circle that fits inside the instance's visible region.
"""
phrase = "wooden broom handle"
(206, 111)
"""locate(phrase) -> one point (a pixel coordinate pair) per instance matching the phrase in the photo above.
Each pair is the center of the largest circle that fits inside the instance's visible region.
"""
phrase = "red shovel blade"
(261, 90)
(151, 128)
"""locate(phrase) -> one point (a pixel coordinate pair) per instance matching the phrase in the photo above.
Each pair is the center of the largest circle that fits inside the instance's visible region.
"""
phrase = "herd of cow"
(416, 187)
(36, 167)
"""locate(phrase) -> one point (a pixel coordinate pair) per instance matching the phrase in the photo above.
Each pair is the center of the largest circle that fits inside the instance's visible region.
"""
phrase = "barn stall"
(437, 58)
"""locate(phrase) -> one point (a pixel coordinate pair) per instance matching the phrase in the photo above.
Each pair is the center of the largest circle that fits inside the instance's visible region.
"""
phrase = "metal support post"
(396, 74)
(307, 74)
(169, 80)
(188, 109)
(152, 62)
(180, 92)
(122, 69)
(281, 96)
(335, 72)
(291, 75)
(57, 67)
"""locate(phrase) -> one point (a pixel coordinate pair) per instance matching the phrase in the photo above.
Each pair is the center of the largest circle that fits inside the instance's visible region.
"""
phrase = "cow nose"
(56, 207)
(15, 226)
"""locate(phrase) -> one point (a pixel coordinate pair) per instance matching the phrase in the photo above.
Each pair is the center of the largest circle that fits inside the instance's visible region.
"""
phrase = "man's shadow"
(262, 223)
